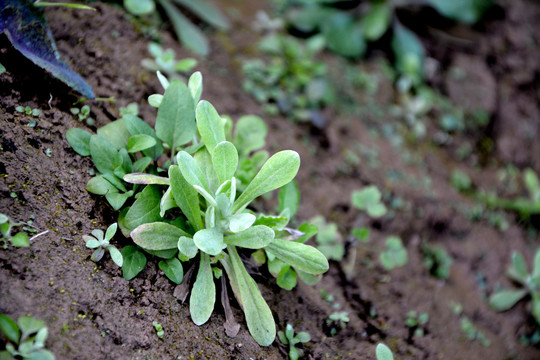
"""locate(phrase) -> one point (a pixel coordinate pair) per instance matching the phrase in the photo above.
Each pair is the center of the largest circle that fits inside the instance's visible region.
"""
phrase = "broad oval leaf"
(408, 51)
(157, 236)
(343, 35)
(376, 22)
(146, 179)
(116, 256)
(250, 134)
(505, 299)
(29, 325)
(289, 198)
(276, 172)
(191, 170)
(20, 240)
(140, 142)
(173, 270)
(302, 257)
(225, 160)
(105, 156)
(383, 352)
(203, 293)
(255, 237)
(79, 140)
(210, 125)
(140, 7)
(187, 247)
(9, 328)
(175, 122)
(259, 318)
(209, 241)
(145, 209)
(195, 86)
(241, 222)
(134, 262)
(186, 197)
(518, 270)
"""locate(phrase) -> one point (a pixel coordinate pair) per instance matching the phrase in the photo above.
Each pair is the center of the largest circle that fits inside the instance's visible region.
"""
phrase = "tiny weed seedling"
(383, 352)
(101, 244)
(329, 240)
(193, 209)
(368, 199)
(337, 321)
(416, 322)
(83, 114)
(468, 328)
(437, 261)
(395, 254)
(20, 239)
(28, 111)
(289, 338)
(159, 329)
(530, 285)
(130, 109)
(164, 60)
(25, 338)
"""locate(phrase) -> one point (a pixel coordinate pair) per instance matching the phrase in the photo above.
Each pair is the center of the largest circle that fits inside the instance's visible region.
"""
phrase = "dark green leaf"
(20, 240)
(289, 198)
(302, 257)
(408, 51)
(145, 209)
(117, 200)
(210, 125)
(186, 197)
(137, 126)
(105, 156)
(343, 35)
(9, 328)
(134, 262)
(100, 186)
(140, 142)
(79, 140)
(173, 269)
(157, 236)
(467, 11)
(116, 133)
(376, 22)
(286, 278)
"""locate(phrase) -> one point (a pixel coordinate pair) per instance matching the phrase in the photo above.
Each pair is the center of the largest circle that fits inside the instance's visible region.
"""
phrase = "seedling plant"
(101, 244)
(164, 60)
(288, 337)
(189, 210)
(20, 239)
(25, 338)
(337, 321)
(395, 254)
(416, 322)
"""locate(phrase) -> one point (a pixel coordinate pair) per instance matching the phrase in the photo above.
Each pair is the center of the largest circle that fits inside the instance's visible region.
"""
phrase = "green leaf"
(157, 236)
(191, 171)
(466, 11)
(29, 325)
(134, 262)
(187, 247)
(505, 299)
(536, 266)
(187, 33)
(27, 30)
(42, 354)
(175, 122)
(302, 257)
(195, 86)
(140, 7)
(20, 240)
(308, 278)
(286, 278)
(111, 230)
(173, 269)
(274, 222)
(369, 200)
(276, 172)
(79, 140)
(137, 126)
(207, 12)
(258, 315)
(289, 198)
(118, 200)
(210, 125)
(146, 179)
(116, 256)
(518, 270)
(343, 35)
(376, 22)
(241, 222)
(167, 202)
(255, 237)
(145, 209)
(225, 160)
(408, 51)
(209, 241)
(115, 133)
(203, 293)
(309, 230)
(250, 134)
(141, 164)
(105, 156)
(303, 337)
(9, 328)
(186, 197)
(395, 254)
(140, 142)
(383, 352)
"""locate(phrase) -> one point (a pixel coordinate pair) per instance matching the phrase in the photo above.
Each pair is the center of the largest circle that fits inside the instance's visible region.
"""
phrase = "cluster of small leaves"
(101, 244)
(530, 285)
(188, 33)
(83, 114)
(368, 199)
(468, 327)
(193, 207)
(395, 254)
(159, 329)
(28, 110)
(383, 352)
(289, 338)
(164, 60)
(7, 224)
(347, 31)
(437, 261)
(292, 82)
(25, 338)
(337, 321)
(417, 322)
(329, 240)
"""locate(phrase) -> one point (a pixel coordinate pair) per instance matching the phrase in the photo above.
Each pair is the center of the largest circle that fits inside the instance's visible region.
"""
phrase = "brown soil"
(92, 312)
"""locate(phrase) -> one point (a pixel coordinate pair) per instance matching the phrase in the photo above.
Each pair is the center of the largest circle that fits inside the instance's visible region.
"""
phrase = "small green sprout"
(20, 239)
(383, 352)
(83, 113)
(159, 329)
(28, 111)
(164, 60)
(2, 69)
(460, 181)
(530, 285)
(437, 261)
(100, 243)
(395, 254)
(472, 333)
(416, 322)
(337, 321)
(130, 109)
(368, 199)
(288, 338)
(329, 240)
(25, 338)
